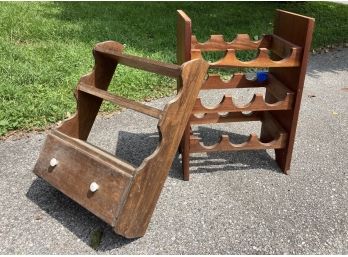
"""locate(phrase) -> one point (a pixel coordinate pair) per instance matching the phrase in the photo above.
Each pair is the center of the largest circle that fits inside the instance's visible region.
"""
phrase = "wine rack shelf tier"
(284, 53)
(282, 95)
(278, 141)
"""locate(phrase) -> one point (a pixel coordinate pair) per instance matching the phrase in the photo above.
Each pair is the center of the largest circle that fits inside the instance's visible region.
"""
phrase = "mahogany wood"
(183, 54)
(263, 59)
(278, 140)
(257, 103)
(285, 52)
(125, 196)
(297, 29)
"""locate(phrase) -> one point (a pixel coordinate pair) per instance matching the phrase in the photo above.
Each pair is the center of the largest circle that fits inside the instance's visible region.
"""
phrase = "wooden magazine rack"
(122, 195)
(285, 53)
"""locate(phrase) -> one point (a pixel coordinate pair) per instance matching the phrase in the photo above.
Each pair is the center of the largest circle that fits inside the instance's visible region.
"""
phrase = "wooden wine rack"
(284, 53)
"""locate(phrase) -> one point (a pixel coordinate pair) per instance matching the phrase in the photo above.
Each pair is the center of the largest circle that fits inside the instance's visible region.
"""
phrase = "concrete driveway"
(235, 203)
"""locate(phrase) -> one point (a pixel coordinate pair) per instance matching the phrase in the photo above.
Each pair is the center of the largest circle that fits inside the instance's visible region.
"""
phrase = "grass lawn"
(46, 47)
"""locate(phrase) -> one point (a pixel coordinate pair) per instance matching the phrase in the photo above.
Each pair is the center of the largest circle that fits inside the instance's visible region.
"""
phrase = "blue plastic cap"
(261, 76)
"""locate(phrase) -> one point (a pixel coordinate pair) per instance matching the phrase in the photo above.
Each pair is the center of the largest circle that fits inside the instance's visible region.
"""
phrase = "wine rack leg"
(297, 29)
(283, 158)
(185, 153)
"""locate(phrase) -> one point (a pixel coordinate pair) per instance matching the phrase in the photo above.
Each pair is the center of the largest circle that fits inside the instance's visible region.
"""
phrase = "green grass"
(46, 47)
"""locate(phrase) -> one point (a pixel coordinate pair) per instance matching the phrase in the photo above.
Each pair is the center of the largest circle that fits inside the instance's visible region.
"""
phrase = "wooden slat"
(183, 35)
(238, 80)
(282, 47)
(257, 103)
(278, 45)
(224, 144)
(241, 42)
(170, 70)
(262, 60)
(212, 118)
(92, 150)
(272, 125)
(139, 107)
(278, 89)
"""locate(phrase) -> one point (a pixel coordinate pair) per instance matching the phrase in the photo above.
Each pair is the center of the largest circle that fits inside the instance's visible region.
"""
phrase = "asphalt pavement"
(235, 203)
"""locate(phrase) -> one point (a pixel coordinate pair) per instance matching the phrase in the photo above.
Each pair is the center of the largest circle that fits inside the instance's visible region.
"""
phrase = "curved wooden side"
(149, 179)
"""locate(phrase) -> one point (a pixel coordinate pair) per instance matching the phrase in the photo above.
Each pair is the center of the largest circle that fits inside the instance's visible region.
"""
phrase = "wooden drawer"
(77, 168)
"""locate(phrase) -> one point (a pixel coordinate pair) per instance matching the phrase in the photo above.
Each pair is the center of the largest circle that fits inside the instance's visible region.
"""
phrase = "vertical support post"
(183, 54)
(297, 29)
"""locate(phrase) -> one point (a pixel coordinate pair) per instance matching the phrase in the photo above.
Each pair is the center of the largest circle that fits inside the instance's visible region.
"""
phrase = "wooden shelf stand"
(122, 195)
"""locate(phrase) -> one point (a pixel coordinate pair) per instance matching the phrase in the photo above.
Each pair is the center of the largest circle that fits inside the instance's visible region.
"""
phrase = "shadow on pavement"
(135, 147)
(74, 217)
(331, 62)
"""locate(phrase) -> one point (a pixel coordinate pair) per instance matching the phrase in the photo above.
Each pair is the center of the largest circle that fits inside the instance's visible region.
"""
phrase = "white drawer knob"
(53, 162)
(93, 187)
